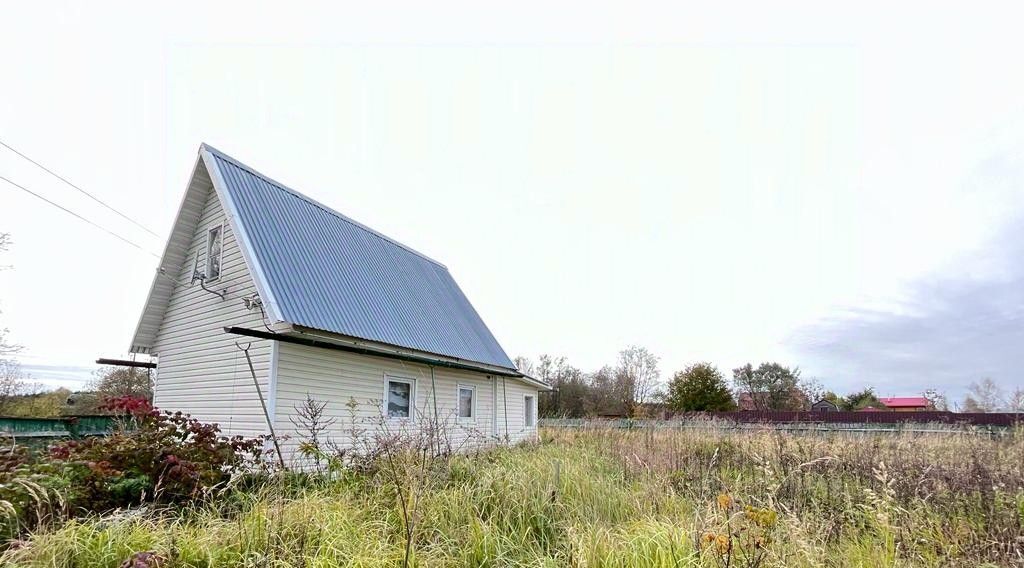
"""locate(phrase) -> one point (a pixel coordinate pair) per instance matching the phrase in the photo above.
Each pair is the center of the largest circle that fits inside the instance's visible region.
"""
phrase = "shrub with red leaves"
(128, 405)
(160, 456)
(153, 456)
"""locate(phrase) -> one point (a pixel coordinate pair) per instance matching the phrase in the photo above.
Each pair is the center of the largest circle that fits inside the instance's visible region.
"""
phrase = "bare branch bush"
(312, 426)
(14, 385)
(407, 457)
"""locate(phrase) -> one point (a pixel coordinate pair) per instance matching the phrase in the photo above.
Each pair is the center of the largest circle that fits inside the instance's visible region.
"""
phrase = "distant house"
(825, 405)
(906, 403)
(331, 310)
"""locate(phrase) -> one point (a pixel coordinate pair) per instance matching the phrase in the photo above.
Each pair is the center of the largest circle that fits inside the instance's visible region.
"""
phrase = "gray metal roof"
(327, 272)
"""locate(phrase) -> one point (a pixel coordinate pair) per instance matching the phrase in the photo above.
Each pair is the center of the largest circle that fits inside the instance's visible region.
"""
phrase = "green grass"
(604, 499)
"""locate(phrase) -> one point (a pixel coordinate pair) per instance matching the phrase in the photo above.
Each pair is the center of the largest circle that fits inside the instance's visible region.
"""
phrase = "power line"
(91, 196)
(70, 212)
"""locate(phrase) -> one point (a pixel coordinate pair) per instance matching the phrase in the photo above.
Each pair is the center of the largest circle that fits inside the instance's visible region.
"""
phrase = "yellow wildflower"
(723, 543)
(724, 501)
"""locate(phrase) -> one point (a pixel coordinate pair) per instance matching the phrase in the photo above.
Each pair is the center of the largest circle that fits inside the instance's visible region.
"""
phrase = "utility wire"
(70, 212)
(91, 196)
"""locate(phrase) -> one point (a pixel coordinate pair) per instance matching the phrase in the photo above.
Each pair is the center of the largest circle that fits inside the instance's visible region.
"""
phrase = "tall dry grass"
(843, 499)
(602, 497)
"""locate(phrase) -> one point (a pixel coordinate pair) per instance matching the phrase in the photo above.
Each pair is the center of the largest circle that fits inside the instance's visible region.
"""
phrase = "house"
(825, 405)
(906, 403)
(329, 309)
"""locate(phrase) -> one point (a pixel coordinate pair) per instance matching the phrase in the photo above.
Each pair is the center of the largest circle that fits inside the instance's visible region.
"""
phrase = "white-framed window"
(529, 410)
(466, 402)
(399, 398)
(214, 250)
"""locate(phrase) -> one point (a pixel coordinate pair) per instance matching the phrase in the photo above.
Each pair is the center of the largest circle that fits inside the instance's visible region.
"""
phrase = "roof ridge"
(317, 204)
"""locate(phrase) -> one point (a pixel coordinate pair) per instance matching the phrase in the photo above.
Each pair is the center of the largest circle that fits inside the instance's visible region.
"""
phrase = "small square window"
(467, 402)
(400, 398)
(530, 411)
(213, 252)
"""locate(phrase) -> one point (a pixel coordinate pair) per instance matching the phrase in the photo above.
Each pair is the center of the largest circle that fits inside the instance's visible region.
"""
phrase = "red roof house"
(906, 403)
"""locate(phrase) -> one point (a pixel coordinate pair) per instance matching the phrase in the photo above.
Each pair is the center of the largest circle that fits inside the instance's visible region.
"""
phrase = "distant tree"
(13, 386)
(108, 383)
(832, 397)
(812, 390)
(111, 382)
(572, 393)
(525, 365)
(19, 396)
(603, 396)
(770, 386)
(549, 367)
(861, 399)
(984, 396)
(970, 404)
(569, 395)
(637, 377)
(1015, 400)
(699, 387)
(936, 399)
(38, 403)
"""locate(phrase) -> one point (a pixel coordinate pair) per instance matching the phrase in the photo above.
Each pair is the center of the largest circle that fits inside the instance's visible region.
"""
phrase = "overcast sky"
(838, 187)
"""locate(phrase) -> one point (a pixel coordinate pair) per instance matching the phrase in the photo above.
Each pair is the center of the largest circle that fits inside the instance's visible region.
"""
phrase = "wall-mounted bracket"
(196, 275)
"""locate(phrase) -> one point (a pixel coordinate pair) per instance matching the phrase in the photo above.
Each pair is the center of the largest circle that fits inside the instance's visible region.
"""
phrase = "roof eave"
(239, 230)
(142, 340)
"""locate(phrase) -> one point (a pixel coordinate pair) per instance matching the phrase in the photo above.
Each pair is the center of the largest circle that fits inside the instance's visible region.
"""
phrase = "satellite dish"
(196, 275)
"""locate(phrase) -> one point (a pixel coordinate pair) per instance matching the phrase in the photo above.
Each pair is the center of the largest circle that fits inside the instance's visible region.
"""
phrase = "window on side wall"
(530, 411)
(214, 240)
(400, 398)
(467, 402)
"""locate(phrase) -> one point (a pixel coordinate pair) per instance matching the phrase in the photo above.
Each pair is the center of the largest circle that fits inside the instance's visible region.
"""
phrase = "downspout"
(433, 388)
(504, 401)
(433, 396)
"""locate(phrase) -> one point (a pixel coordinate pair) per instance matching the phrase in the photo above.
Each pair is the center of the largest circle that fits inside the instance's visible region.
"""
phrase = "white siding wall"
(336, 377)
(200, 371)
(511, 395)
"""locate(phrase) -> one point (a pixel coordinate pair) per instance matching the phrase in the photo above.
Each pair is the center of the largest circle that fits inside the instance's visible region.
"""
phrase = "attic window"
(213, 252)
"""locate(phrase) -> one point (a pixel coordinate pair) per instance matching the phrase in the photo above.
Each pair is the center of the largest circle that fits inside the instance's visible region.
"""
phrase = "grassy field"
(599, 498)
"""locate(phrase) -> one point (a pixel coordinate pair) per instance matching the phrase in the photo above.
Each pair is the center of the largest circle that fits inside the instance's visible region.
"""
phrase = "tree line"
(632, 387)
(622, 389)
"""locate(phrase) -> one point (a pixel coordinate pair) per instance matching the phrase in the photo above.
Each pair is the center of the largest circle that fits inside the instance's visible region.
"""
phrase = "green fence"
(59, 427)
